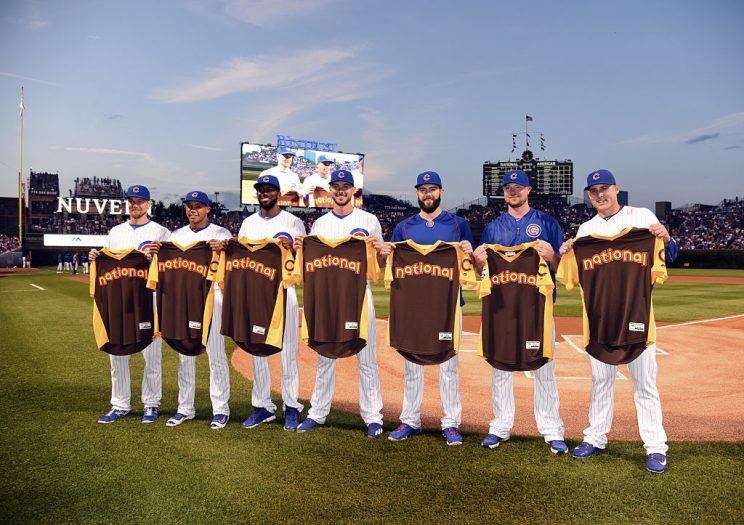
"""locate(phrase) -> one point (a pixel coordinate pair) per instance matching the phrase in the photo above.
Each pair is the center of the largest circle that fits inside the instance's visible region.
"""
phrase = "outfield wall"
(728, 259)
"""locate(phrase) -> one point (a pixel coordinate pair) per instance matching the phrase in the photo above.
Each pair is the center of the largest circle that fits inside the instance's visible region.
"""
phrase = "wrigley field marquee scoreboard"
(547, 177)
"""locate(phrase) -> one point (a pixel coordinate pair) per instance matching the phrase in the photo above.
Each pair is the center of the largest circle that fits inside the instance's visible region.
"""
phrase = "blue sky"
(162, 93)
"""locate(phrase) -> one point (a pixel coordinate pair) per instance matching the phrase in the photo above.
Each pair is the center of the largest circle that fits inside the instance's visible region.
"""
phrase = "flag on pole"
(542, 142)
(514, 142)
(528, 118)
(22, 106)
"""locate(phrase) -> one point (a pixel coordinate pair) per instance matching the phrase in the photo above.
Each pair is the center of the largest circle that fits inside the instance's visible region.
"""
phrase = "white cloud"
(268, 12)
(205, 148)
(30, 79)
(261, 72)
(733, 120)
(110, 151)
(36, 24)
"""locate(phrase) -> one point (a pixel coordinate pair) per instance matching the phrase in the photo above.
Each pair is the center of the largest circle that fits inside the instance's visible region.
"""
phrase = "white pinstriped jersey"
(284, 224)
(124, 236)
(185, 236)
(288, 180)
(358, 223)
(627, 216)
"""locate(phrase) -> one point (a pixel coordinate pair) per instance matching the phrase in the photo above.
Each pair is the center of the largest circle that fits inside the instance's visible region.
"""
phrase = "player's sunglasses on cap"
(428, 177)
(599, 177)
(138, 191)
(270, 180)
(197, 196)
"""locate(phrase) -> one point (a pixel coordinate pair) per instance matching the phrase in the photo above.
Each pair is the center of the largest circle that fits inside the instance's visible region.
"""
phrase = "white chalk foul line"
(35, 286)
(701, 321)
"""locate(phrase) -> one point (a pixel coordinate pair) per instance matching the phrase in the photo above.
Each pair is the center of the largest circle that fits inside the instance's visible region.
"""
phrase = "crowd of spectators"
(694, 228)
(8, 243)
(719, 228)
(98, 187)
(44, 184)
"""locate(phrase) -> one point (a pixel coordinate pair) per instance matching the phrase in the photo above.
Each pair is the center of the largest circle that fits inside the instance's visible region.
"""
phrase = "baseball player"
(141, 233)
(59, 263)
(271, 222)
(198, 206)
(522, 224)
(84, 261)
(343, 220)
(319, 180)
(430, 225)
(611, 219)
(289, 181)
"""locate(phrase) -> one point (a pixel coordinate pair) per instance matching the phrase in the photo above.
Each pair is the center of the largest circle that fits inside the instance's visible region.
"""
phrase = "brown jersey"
(335, 310)
(254, 276)
(517, 313)
(424, 282)
(123, 317)
(616, 276)
(182, 277)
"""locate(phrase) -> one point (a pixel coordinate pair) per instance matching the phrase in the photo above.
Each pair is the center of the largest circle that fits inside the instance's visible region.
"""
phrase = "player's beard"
(270, 204)
(511, 202)
(432, 207)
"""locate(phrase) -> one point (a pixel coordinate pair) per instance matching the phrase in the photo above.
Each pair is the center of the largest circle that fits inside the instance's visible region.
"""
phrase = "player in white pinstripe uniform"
(610, 220)
(272, 222)
(344, 219)
(200, 228)
(138, 232)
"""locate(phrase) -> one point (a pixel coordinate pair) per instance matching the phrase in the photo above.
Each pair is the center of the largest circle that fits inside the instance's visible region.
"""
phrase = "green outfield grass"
(706, 272)
(60, 466)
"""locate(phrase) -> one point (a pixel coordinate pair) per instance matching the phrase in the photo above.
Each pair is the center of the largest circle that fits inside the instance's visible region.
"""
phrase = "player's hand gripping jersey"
(424, 283)
(182, 277)
(254, 275)
(335, 309)
(517, 314)
(123, 316)
(616, 276)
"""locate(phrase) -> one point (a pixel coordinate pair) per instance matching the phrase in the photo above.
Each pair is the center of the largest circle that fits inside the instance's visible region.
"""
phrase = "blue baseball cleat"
(258, 416)
(112, 416)
(374, 430)
(492, 441)
(452, 435)
(558, 446)
(308, 425)
(656, 463)
(219, 421)
(291, 419)
(403, 432)
(151, 415)
(585, 450)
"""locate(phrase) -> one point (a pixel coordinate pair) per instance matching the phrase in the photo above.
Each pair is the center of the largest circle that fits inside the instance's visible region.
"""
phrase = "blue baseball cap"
(197, 196)
(271, 180)
(342, 176)
(138, 191)
(599, 177)
(515, 177)
(324, 158)
(284, 150)
(428, 177)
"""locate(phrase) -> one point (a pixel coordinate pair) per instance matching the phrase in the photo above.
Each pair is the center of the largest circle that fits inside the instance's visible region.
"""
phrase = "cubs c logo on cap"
(341, 175)
(135, 189)
(427, 177)
(595, 176)
(533, 230)
(513, 176)
(265, 179)
(194, 193)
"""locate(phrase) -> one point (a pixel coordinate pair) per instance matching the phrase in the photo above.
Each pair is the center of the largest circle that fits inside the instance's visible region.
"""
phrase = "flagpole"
(20, 180)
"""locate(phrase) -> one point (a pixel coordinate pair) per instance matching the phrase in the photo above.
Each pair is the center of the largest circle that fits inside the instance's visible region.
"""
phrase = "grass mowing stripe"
(59, 466)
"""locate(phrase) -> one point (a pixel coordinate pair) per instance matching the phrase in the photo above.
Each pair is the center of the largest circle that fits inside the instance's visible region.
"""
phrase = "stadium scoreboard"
(547, 177)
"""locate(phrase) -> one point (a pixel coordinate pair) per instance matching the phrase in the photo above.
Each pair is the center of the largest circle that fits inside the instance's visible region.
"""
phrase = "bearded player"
(430, 225)
(139, 233)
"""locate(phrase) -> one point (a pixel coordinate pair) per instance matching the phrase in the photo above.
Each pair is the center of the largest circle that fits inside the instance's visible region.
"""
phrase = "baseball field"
(59, 466)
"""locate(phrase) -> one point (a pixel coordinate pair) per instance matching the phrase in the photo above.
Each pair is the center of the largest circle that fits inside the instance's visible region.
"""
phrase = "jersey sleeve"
(568, 270)
(544, 280)
(219, 275)
(659, 270)
(485, 285)
(373, 267)
(389, 270)
(487, 237)
(397, 233)
(465, 233)
(467, 272)
(288, 266)
(296, 275)
(152, 274)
